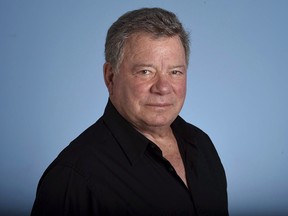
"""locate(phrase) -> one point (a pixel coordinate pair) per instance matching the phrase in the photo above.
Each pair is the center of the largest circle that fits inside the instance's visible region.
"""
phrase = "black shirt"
(112, 169)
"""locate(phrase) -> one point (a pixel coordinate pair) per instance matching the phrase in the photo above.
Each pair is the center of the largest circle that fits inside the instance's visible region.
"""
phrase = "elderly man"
(140, 157)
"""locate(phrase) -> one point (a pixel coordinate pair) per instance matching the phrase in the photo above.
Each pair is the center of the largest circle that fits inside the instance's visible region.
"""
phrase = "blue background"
(51, 89)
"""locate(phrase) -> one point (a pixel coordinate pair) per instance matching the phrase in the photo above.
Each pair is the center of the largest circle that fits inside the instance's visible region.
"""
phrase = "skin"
(150, 87)
(149, 90)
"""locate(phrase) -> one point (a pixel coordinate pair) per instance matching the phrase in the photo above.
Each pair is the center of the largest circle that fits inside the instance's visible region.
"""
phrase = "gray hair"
(155, 21)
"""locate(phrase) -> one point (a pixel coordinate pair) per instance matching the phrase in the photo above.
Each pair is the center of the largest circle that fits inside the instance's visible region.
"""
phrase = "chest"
(171, 153)
(149, 187)
(176, 161)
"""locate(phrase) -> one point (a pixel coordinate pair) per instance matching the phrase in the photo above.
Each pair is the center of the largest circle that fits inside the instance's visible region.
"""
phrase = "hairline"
(152, 36)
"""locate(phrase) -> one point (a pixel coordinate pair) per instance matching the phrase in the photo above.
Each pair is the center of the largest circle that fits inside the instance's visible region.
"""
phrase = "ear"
(108, 76)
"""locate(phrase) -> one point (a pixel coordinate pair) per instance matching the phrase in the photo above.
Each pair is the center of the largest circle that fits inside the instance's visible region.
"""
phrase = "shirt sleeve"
(63, 191)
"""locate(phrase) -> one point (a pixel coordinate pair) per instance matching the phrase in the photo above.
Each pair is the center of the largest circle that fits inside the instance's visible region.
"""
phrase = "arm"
(63, 191)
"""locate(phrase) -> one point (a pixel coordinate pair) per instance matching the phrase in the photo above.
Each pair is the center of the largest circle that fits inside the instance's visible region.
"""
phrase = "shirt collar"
(182, 129)
(131, 141)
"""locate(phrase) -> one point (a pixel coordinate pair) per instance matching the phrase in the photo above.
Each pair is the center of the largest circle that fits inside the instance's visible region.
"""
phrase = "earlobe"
(108, 77)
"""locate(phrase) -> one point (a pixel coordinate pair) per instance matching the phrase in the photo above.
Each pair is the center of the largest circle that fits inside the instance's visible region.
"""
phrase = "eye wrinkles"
(151, 70)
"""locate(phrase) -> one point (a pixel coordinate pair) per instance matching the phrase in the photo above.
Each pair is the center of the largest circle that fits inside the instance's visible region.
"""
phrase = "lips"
(159, 105)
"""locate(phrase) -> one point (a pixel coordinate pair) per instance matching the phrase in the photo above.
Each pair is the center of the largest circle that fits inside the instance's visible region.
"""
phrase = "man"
(140, 157)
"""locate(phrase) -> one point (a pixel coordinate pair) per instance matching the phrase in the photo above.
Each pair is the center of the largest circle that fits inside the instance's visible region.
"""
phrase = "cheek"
(184, 90)
(139, 90)
(129, 93)
(180, 89)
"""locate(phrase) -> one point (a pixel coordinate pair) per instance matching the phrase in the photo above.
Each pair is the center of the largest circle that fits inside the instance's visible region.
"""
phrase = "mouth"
(159, 105)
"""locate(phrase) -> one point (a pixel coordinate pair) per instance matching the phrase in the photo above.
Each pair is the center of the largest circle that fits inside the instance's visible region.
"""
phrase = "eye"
(145, 72)
(176, 72)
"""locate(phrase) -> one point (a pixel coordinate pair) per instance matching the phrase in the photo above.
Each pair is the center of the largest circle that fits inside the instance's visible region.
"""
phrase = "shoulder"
(82, 151)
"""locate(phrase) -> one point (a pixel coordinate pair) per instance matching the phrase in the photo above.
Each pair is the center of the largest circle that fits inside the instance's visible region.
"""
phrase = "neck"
(157, 134)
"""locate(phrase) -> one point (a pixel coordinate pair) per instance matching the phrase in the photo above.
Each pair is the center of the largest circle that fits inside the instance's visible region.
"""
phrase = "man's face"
(150, 87)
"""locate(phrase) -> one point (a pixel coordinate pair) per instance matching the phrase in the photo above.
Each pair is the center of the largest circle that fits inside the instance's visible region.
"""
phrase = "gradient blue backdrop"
(51, 89)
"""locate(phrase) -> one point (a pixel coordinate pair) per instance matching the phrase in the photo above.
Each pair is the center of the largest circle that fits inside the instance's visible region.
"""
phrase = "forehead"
(147, 43)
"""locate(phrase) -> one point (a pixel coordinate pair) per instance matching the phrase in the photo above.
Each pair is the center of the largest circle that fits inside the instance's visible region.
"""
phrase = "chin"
(159, 122)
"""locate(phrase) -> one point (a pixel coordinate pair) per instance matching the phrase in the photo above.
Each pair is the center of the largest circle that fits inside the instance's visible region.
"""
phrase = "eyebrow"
(179, 66)
(143, 65)
(152, 66)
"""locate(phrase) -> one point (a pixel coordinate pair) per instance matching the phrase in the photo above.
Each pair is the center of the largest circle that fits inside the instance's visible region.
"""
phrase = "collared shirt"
(112, 169)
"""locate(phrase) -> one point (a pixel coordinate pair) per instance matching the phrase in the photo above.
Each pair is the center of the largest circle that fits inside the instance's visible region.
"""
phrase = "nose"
(162, 84)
